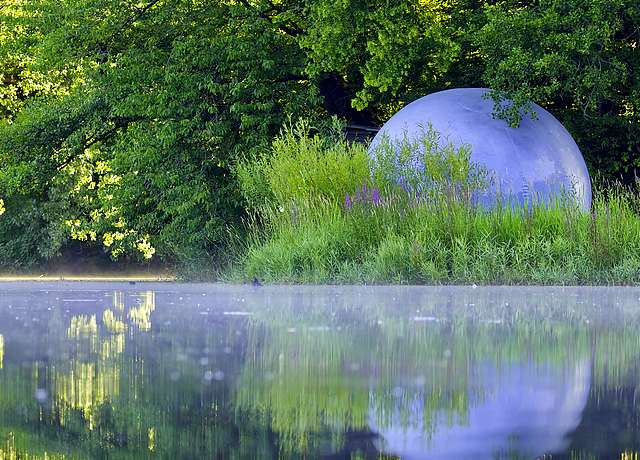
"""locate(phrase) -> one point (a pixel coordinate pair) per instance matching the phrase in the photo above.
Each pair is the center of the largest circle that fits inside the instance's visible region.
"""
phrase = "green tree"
(383, 54)
(579, 59)
(20, 79)
(137, 154)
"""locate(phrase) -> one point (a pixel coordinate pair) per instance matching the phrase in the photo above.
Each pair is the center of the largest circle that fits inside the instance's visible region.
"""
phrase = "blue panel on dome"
(535, 161)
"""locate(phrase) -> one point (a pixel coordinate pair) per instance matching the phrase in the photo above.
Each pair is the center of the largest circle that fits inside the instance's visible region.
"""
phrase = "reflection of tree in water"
(109, 382)
(77, 394)
(92, 377)
(323, 374)
(308, 375)
(140, 315)
(612, 418)
(9, 451)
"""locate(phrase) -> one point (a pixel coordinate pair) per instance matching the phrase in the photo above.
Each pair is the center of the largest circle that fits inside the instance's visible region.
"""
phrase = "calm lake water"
(164, 370)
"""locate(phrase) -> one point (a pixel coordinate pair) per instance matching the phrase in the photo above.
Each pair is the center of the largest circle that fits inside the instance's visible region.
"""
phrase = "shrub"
(429, 168)
(300, 167)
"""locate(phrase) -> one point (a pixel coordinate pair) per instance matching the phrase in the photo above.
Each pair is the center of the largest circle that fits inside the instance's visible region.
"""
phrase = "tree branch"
(139, 13)
(292, 30)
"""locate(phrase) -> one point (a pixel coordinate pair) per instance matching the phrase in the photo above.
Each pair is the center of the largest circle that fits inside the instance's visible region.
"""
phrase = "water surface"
(164, 370)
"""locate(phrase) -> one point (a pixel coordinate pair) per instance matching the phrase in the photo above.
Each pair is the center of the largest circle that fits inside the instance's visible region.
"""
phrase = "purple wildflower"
(347, 202)
(375, 197)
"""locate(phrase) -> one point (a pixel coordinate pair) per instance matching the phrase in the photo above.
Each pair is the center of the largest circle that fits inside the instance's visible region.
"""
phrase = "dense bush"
(300, 168)
(383, 231)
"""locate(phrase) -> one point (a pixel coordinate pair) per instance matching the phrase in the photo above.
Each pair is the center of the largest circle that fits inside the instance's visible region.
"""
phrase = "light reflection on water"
(210, 371)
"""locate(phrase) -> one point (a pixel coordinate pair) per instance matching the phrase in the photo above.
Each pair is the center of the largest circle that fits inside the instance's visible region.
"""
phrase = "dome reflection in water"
(526, 409)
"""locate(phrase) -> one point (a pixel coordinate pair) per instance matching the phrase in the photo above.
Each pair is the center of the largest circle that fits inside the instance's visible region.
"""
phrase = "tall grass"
(324, 212)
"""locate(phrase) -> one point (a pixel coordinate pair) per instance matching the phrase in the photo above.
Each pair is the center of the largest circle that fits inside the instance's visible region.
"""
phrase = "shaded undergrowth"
(324, 212)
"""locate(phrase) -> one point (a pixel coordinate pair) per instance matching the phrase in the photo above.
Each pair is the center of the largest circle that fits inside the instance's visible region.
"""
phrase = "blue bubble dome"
(537, 161)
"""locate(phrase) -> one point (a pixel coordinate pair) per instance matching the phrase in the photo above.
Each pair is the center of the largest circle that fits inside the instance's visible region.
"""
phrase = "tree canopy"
(122, 119)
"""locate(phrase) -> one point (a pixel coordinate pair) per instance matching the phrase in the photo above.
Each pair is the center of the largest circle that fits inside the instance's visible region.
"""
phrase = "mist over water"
(167, 370)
